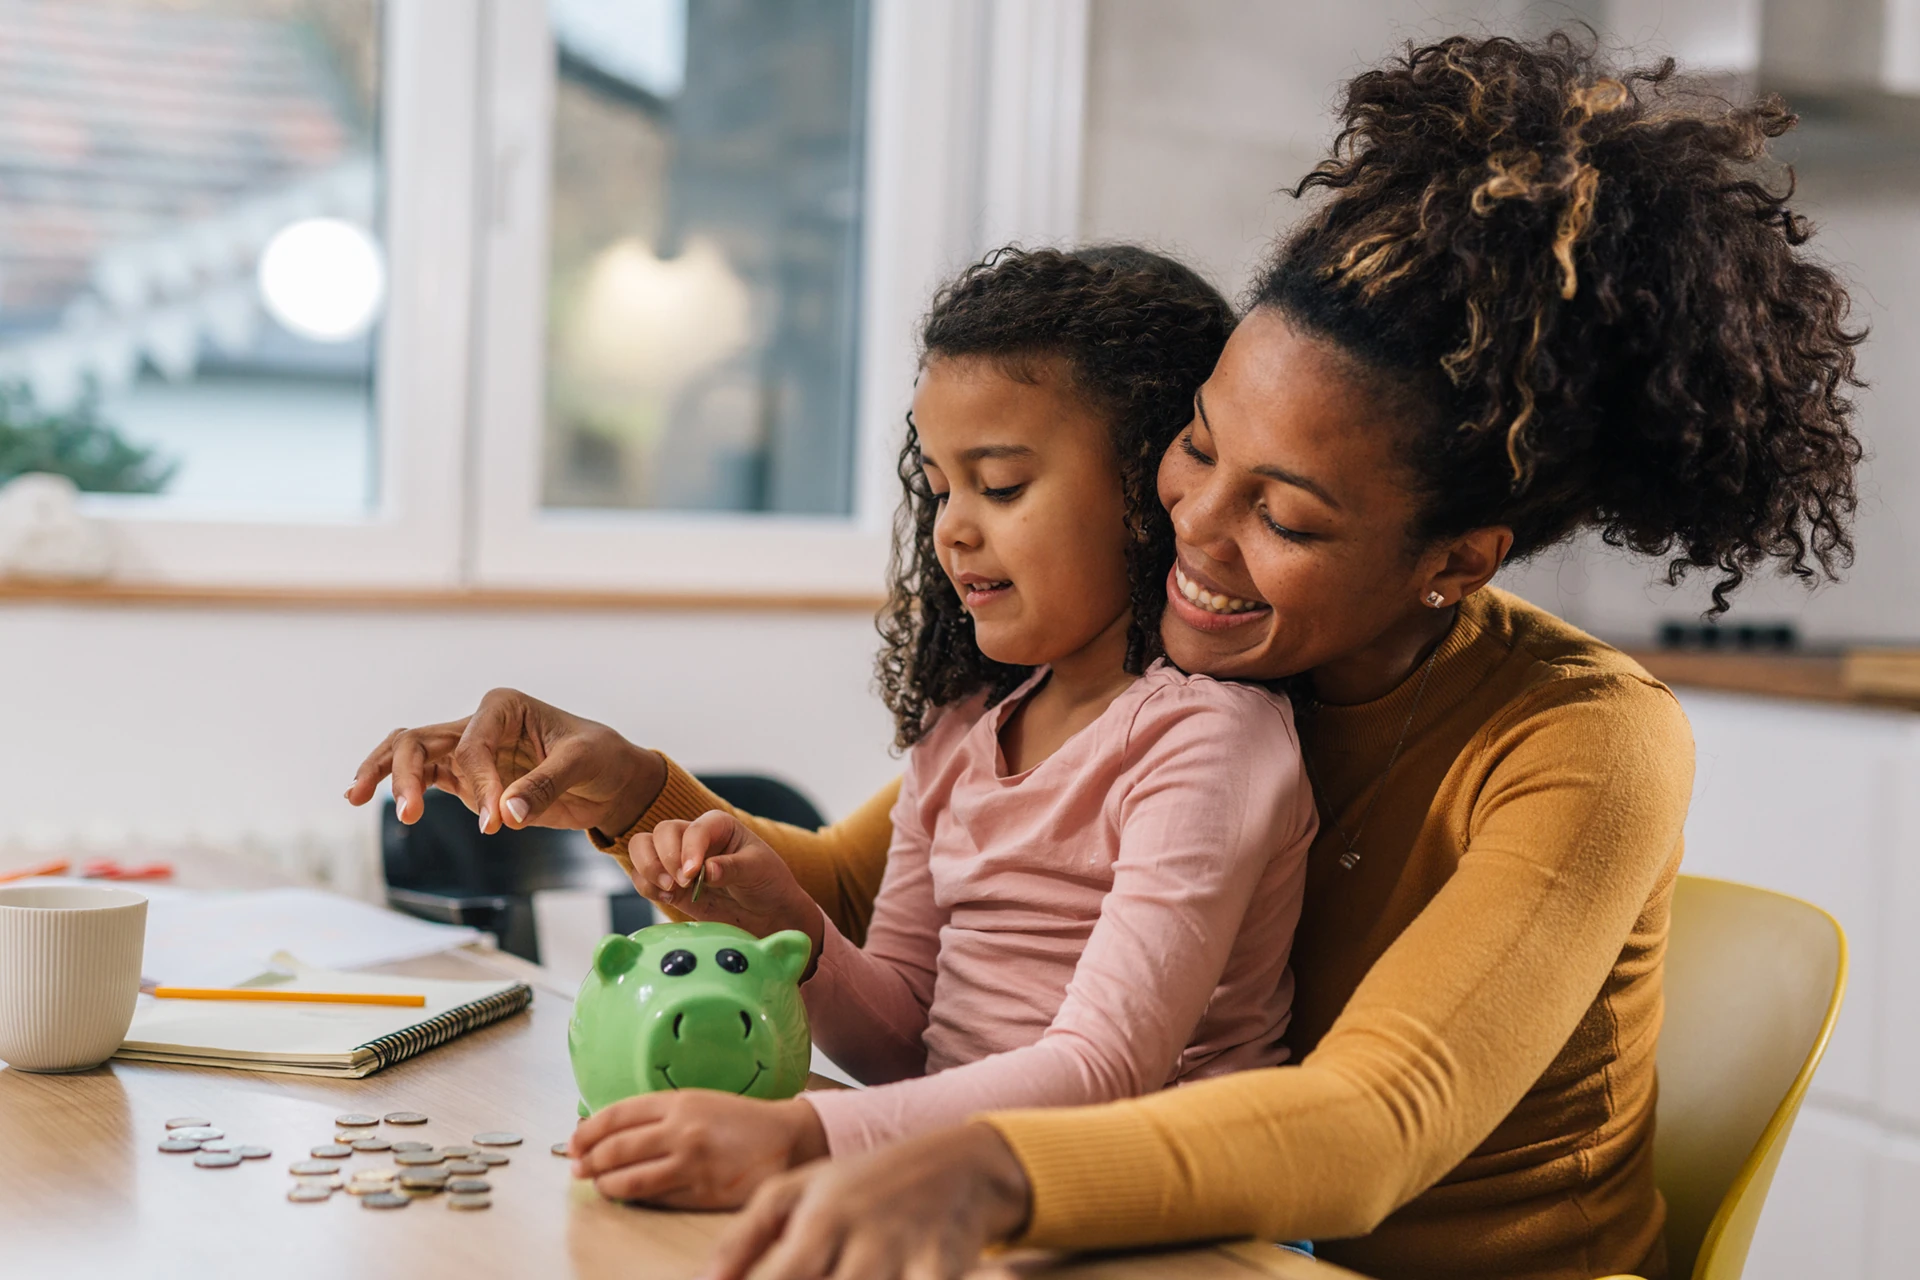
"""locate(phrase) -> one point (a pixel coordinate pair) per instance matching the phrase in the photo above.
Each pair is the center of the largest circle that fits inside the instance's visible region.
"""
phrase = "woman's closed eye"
(1291, 535)
(1192, 450)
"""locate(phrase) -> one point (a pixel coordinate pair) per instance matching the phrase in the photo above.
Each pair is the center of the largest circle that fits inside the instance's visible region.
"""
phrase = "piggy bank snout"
(710, 1019)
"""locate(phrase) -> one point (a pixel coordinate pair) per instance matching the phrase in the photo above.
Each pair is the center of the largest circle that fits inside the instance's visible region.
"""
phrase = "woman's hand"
(693, 1148)
(746, 883)
(518, 762)
(924, 1208)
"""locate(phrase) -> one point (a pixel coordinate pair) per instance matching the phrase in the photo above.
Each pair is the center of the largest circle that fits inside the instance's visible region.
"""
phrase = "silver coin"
(467, 1168)
(196, 1133)
(218, 1144)
(179, 1146)
(330, 1151)
(309, 1195)
(384, 1200)
(216, 1159)
(188, 1122)
(417, 1157)
(458, 1153)
(469, 1202)
(309, 1168)
(372, 1144)
(405, 1117)
(346, 1139)
(561, 1149)
(498, 1138)
(354, 1120)
(412, 1146)
(253, 1153)
(468, 1186)
(492, 1157)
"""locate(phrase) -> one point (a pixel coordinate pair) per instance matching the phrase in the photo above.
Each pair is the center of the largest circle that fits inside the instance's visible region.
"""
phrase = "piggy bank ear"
(615, 955)
(787, 952)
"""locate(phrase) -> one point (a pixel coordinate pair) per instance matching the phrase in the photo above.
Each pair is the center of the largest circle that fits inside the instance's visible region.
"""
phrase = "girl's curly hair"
(1588, 288)
(1137, 333)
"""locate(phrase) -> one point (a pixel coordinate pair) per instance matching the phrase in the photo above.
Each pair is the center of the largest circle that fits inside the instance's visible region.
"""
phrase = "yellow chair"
(1753, 986)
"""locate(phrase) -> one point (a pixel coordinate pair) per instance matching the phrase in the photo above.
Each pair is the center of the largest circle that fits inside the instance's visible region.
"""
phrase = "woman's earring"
(1435, 599)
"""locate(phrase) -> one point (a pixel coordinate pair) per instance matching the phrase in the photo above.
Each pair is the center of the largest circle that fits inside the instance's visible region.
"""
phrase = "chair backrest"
(1753, 986)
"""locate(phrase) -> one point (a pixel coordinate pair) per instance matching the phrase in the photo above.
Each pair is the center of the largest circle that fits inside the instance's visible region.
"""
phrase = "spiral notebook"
(341, 1040)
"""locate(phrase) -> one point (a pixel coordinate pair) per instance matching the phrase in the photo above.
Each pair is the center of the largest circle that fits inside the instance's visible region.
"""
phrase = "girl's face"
(1290, 514)
(1032, 529)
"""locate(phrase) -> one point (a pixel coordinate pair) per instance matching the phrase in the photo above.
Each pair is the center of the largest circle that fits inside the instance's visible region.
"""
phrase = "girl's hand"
(693, 1148)
(745, 883)
(518, 762)
(924, 1208)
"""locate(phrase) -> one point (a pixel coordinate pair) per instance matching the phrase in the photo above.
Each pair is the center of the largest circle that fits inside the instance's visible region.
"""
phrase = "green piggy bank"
(691, 1006)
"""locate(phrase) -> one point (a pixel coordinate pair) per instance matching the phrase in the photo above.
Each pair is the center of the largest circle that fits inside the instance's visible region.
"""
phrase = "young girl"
(1097, 859)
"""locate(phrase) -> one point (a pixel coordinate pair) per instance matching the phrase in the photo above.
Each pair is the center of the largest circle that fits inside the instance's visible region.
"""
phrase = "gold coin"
(354, 1120)
(405, 1117)
(469, 1202)
(309, 1195)
(372, 1144)
(498, 1138)
(331, 1182)
(216, 1159)
(346, 1139)
(384, 1200)
(189, 1122)
(355, 1187)
(377, 1175)
(333, 1151)
(417, 1157)
(179, 1146)
(467, 1168)
(422, 1182)
(469, 1186)
(305, 1168)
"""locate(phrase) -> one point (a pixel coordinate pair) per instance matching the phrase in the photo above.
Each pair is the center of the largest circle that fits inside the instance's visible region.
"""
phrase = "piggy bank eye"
(677, 964)
(730, 960)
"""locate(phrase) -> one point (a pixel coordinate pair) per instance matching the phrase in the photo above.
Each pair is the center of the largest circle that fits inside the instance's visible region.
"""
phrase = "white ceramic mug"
(69, 973)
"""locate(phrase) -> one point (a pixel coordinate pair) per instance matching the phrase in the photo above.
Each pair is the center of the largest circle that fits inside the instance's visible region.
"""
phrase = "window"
(601, 295)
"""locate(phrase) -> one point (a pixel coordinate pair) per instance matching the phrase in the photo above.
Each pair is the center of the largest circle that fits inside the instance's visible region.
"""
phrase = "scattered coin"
(372, 1144)
(417, 1157)
(405, 1117)
(179, 1146)
(196, 1133)
(310, 1168)
(384, 1200)
(467, 1168)
(188, 1122)
(218, 1144)
(309, 1195)
(357, 1186)
(253, 1153)
(459, 1153)
(412, 1146)
(492, 1157)
(422, 1182)
(496, 1138)
(216, 1159)
(469, 1186)
(469, 1202)
(331, 1182)
(560, 1149)
(377, 1175)
(346, 1139)
(330, 1151)
(354, 1120)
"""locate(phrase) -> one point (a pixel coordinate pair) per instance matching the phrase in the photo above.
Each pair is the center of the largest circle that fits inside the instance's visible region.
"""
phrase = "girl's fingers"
(656, 1179)
(760, 1232)
(640, 1109)
(628, 1147)
(709, 835)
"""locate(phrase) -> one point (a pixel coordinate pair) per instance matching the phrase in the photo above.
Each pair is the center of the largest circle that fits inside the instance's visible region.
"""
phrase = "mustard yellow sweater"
(1478, 998)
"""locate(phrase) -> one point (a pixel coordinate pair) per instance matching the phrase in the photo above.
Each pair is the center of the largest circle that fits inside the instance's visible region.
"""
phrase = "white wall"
(239, 728)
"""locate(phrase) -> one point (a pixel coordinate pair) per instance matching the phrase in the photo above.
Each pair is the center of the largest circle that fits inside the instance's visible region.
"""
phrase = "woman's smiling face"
(1291, 512)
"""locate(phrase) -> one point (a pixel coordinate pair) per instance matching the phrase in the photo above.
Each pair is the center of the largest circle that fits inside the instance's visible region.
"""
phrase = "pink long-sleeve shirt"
(1111, 921)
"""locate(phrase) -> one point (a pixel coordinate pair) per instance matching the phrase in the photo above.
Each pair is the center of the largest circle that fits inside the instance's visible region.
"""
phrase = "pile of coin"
(420, 1169)
(210, 1147)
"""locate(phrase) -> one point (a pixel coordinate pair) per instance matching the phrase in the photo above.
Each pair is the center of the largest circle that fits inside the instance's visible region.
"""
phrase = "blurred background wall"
(234, 720)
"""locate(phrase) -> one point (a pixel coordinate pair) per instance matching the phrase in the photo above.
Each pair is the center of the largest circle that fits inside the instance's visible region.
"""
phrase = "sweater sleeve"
(840, 865)
(1218, 795)
(1579, 819)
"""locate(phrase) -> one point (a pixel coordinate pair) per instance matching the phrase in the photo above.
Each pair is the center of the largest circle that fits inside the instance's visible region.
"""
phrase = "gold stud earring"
(1435, 599)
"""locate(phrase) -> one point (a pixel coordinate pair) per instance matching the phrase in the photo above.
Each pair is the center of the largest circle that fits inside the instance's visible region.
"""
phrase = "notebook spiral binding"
(423, 1036)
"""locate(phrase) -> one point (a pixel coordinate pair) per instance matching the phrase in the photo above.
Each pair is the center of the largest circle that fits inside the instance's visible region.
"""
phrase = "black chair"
(441, 868)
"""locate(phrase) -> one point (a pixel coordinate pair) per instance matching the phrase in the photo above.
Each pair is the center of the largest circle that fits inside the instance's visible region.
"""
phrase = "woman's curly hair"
(1589, 290)
(1137, 333)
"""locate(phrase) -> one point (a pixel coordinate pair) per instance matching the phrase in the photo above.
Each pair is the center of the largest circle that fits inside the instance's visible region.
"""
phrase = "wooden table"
(85, 1192)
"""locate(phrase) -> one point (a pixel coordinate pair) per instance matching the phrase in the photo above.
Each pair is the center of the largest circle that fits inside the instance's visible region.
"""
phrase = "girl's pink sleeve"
(1220, 793)
(868, 1008)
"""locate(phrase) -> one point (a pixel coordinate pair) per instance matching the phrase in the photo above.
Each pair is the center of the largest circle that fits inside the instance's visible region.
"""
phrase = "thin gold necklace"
(1351, 858)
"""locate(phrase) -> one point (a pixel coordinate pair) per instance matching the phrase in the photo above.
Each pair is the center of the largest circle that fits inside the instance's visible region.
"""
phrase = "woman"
(1536, 299)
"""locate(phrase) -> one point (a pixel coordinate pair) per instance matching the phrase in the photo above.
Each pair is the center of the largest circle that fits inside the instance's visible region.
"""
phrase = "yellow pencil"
(268, 993)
